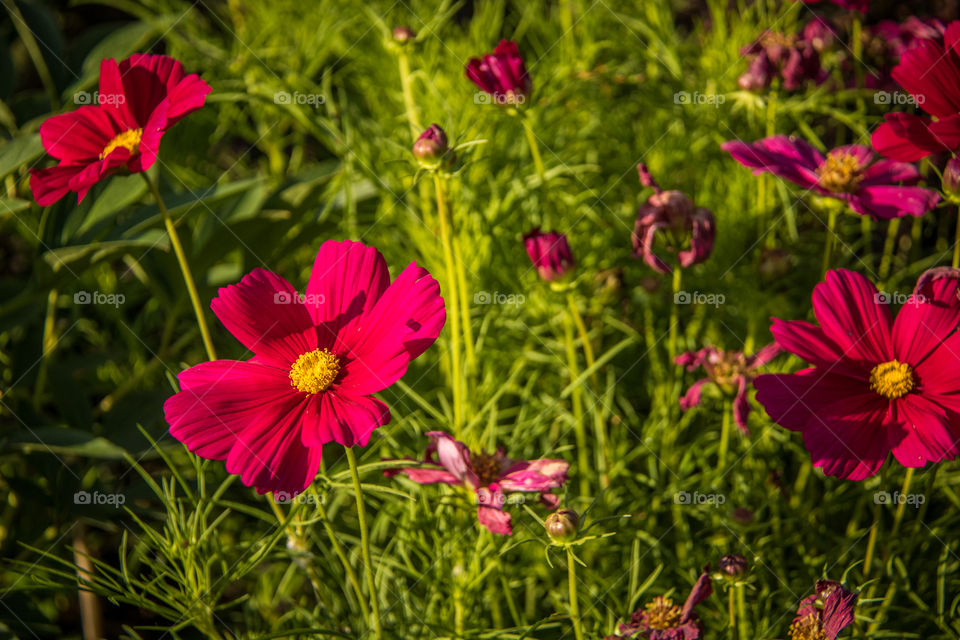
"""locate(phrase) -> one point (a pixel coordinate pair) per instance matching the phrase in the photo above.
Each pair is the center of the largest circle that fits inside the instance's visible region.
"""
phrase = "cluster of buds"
(686, 229)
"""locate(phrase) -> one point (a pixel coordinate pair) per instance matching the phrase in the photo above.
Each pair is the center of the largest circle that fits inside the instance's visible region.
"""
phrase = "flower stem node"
(562, 525)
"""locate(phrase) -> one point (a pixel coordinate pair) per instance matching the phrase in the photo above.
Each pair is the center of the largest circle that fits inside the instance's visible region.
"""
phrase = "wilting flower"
(550, 253)
(847, 173)
(663, 620)
(732, 371)
(686, 229)
(794, 59)
(930, 72)
(488, 475)
(876, 384)
(318, 358)
(825, 613)
(502, 74)
(139, 99)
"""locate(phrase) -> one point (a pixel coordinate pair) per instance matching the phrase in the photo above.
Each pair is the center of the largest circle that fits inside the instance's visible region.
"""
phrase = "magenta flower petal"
(347, 420)
(430, 476)
(789, 158)
(806, 340)
(886, 172)
(490, 511)
(453, 455)
(692, 397)
(887, 202)
(849, 310)
(535, 475)
(741, 406)
(792, 399)
(838, 441)
(925, 71)
(924, 323)
(264, 313)
(888, 140)
(927, 434)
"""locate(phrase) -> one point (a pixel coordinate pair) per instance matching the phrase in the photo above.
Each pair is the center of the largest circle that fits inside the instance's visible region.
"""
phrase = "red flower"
(550, 253)
(139, 99)
(875, 385)
(318, 360)
(930, 72)
(502, 74)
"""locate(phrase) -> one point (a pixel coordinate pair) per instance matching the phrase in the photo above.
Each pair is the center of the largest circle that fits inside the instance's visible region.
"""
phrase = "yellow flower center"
(840, 173)
(807, 628)
(663, 614)
(129, 140)
(892, 379)
(314, 371)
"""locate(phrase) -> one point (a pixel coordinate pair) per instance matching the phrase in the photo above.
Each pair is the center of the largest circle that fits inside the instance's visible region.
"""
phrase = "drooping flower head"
(789, 57)
(731, 371)
(930, 72)
(661, 619)
(550, 253)
(685, 229)
(139, 99)
(875, 384)
(502, 75)
(825, 613)
(488, 475)
(318, 359)
(879, 189)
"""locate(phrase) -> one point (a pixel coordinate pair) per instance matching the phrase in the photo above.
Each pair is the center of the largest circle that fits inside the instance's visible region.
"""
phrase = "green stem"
(871, 541)
(584, 335)
(47, 346)
(33, 50)
(902, 504)
(674, 317)
(406, 84)
(598, 422)
(831, 239)
(453, 313)
(742, 613)
(866, 231)
(341, 553)
(365, 543)
(731, 610)
(724, 434)
(184, 268)
(577, 401)
(574, 603)
(888, 247)
(469, 348)
(534, 149)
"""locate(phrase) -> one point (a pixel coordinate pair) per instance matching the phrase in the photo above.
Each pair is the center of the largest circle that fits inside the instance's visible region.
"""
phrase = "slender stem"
(857, 42)
(469, 348)
(866, 231)
(406, 84)
(534, 148)
(888, 247)
(871, 541)
(184, 268)
(599, 425)
(338, 549)
(365, 543)
(902, 503)
(724, 434)
(577, 401)
(584, 335)
(674, 317)
(731, 609)
(831, 239)
(956, 242)
(47, 346)
(574, 603)
(453, 313)
(33, 50)
(742, 613)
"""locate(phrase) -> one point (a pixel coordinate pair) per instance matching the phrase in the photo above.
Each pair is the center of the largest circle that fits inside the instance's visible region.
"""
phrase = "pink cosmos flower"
(875, 384)
(885, 43)
(550, 253)
(847, 173)
(139, 99)
(793, 59)
(318, 358)
(685, 229)
(930, 72)
(502, 74)
(825, 613)
(731, 371)
(488, 475)
(663, 620)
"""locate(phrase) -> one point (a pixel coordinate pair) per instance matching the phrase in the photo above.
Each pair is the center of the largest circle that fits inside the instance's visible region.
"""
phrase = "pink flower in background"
(318, 358)
(550, 253)
(488, 475)
(885, 43)
(824, 613)
(731, 371)
(663, 620)
(683, 228)
(878, 189)
(930, 72)
(791, 58)
(138, 100)
(875, 384)
(502, 74)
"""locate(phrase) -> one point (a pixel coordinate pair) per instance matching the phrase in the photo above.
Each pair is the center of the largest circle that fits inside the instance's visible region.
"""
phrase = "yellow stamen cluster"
(807, 628)
(893, 379)
(129, 140)
(840, 173)
(314, 371)
(663, 614)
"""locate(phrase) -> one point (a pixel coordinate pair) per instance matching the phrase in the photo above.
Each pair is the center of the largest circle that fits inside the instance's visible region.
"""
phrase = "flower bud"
(562, 525)
(431, 148)
(733, 565)
(951, 179)
(550, 254)
(403, 34)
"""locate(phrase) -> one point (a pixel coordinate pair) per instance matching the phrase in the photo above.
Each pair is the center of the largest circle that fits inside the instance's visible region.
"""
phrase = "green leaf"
(18, 152)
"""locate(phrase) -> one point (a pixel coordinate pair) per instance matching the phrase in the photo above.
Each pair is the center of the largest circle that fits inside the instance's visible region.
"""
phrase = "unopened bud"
(431, 148)
(733, 565)
(403, 34)
(951, 179)
(562, 525)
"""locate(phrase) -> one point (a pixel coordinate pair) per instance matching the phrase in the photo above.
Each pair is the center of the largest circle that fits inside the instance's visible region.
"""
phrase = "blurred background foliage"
(255, 182)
